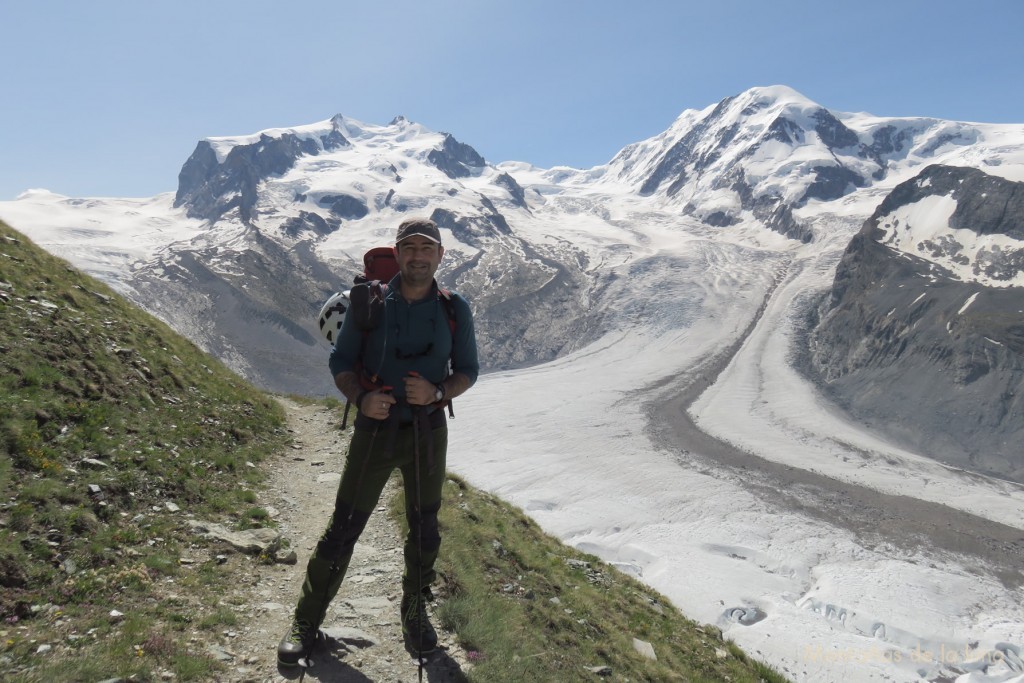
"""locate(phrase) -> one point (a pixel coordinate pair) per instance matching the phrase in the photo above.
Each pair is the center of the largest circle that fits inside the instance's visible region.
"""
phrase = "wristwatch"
(438, 392)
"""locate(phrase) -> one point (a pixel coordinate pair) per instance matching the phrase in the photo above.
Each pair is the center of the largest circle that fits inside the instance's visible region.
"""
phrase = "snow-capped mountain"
(716, 278)
(320, 195)
(264, 227)
(770, 152)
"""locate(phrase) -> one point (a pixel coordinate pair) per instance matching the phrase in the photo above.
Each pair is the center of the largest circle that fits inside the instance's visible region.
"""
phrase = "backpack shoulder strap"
(366, 299)
(448, 303)
(367, 302)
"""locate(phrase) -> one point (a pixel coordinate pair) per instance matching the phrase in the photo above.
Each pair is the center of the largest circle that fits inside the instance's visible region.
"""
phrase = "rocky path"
(364, 617)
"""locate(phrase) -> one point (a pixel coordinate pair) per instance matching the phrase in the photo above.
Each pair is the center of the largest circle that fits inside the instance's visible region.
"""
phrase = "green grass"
(528, 608)
(106, 416)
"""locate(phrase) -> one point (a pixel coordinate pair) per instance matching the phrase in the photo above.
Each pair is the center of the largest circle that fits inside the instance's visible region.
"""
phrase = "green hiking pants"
(370, 462)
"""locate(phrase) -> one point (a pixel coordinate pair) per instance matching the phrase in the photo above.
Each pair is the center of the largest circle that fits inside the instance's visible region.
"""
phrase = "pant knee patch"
(343, 532)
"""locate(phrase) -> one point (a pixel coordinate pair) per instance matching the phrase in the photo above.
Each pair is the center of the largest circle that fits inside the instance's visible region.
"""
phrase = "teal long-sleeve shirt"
(411, 337)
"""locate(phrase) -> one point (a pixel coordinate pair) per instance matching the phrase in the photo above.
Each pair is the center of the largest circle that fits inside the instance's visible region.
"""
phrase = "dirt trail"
(364, 616)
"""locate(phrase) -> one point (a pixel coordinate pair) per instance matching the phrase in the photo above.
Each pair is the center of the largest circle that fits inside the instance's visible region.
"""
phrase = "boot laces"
(302, 632)
(416, 615)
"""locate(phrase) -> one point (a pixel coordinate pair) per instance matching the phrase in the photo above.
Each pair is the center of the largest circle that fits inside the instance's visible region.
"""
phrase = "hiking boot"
(297, 643)
(419, 634)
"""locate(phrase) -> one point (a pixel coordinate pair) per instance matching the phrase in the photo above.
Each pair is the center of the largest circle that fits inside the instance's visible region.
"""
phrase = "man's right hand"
(377, 405)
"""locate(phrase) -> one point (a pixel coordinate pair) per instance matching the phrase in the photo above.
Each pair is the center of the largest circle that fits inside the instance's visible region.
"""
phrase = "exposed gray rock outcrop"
(456, 159)
(935, 361)
(208, 187)
(509, 183)
(307, 220)
(345, 206)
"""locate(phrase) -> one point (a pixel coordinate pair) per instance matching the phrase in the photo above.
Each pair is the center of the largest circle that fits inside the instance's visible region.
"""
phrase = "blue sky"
(109, 98)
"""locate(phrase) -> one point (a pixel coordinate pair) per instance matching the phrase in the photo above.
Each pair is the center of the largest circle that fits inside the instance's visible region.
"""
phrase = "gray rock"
(644, 648)
(286, 557)
(250, 541)
(220, 653)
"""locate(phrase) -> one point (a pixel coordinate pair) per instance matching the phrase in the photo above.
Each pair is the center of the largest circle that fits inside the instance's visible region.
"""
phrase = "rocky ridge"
(906, 345)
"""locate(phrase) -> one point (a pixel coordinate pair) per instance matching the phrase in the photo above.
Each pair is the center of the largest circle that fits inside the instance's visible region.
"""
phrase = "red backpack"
(378, 264)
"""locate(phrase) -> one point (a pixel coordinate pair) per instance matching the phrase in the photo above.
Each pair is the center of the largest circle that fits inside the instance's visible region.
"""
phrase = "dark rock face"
(784, 130)
(887, 142)
(832, 182)
(933, 361)
(456, 159)
(778, 216)
(209, 189)
(720, 219)
(333, 140)
(306, 220)
(959, 137)
(515, 189)
(472, 230)
(832, 131)
(769, 209)
(345, 206)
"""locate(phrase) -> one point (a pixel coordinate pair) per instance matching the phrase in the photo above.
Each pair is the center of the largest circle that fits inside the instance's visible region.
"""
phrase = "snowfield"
(570, 443)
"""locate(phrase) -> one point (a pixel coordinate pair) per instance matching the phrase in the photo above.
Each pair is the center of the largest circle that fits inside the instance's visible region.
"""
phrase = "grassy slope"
(86, 375)
(528, 608)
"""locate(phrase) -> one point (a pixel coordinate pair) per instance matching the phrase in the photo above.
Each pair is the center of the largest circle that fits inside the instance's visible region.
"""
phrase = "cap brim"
(414, 234)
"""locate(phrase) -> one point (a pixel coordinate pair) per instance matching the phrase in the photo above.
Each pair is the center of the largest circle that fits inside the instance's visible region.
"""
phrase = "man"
(397, 375)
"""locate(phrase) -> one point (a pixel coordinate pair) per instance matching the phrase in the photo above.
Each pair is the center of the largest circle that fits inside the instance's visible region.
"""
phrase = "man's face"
(418, 258)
